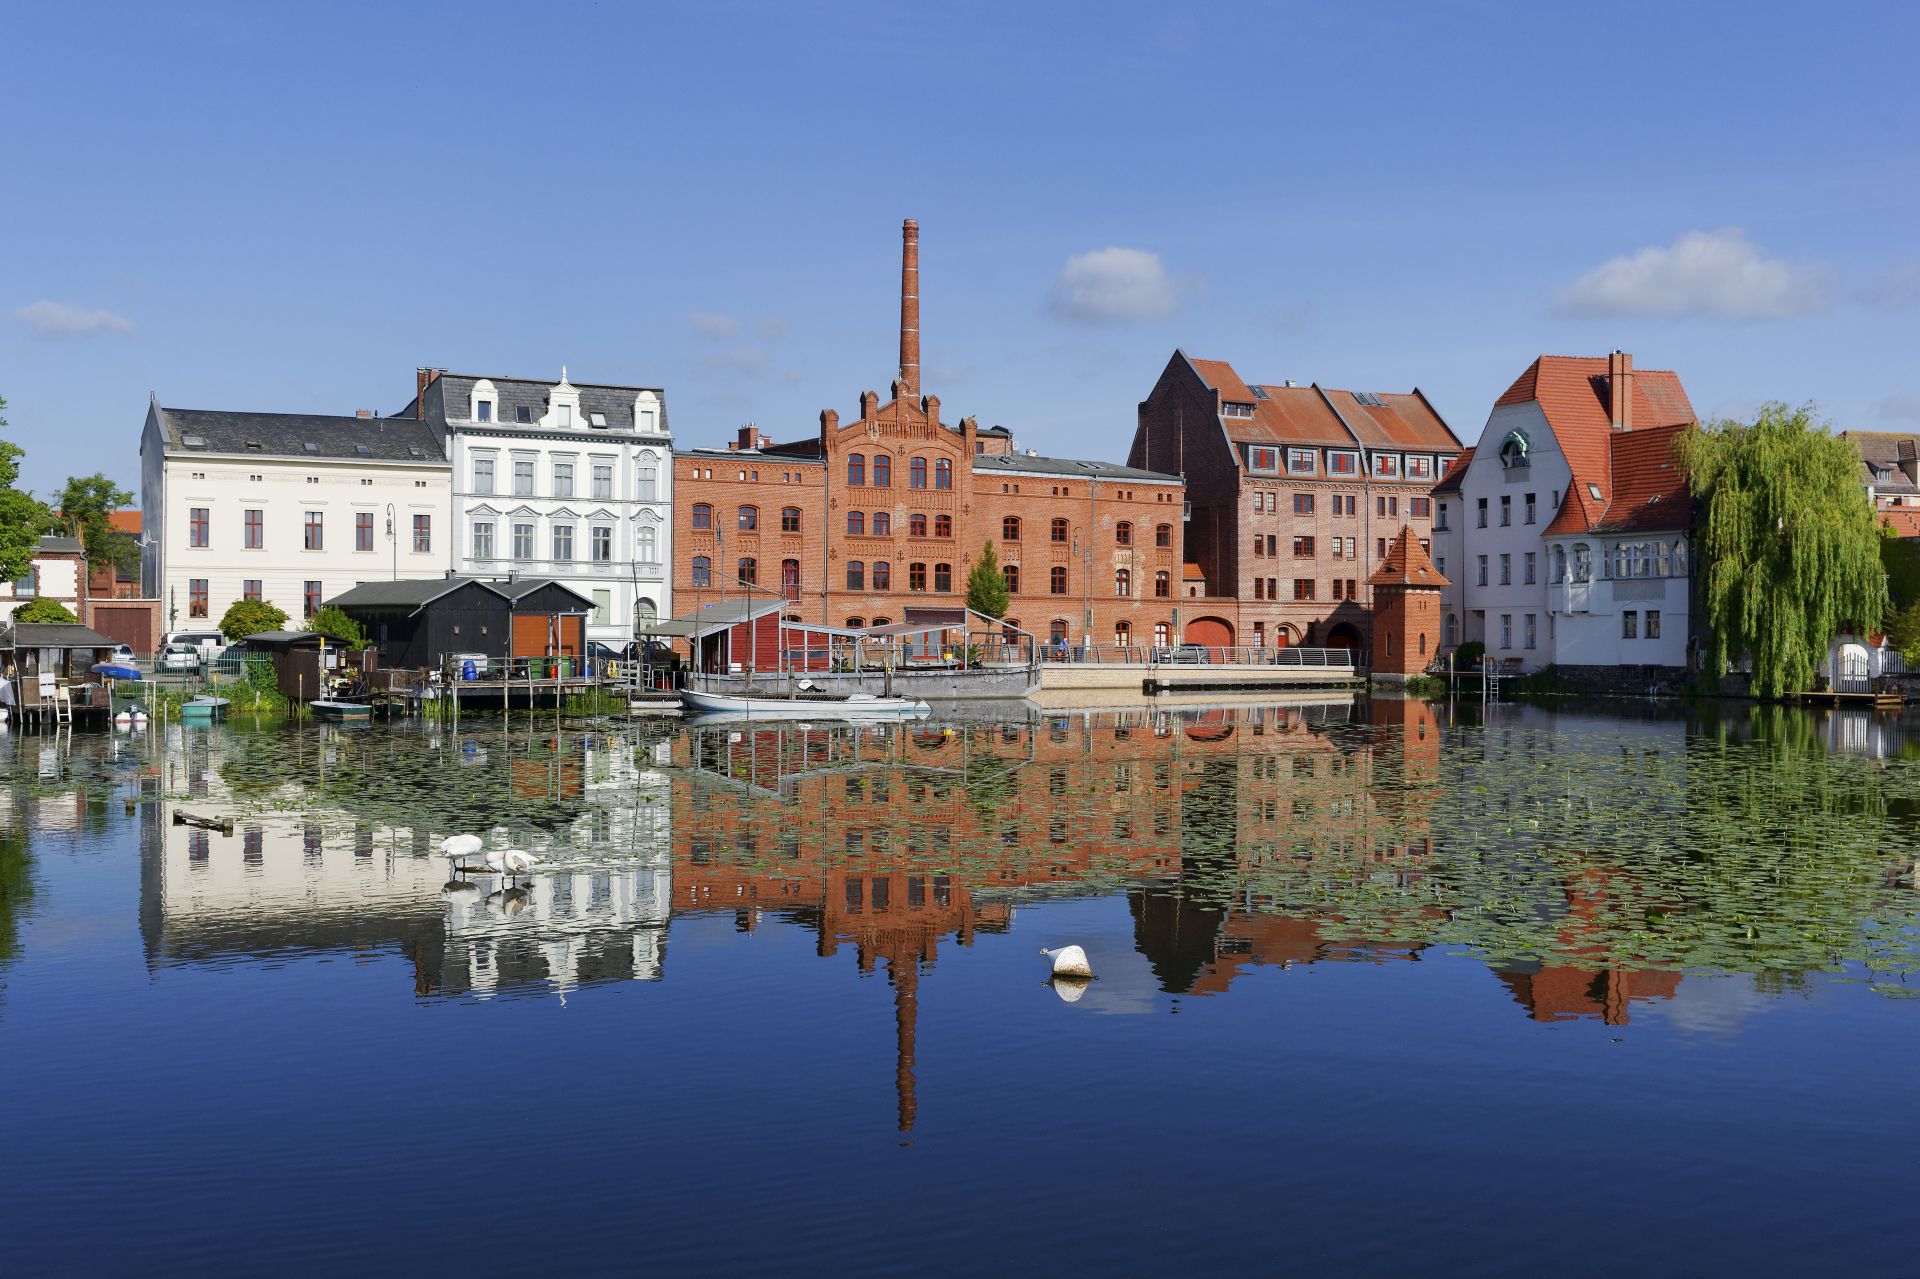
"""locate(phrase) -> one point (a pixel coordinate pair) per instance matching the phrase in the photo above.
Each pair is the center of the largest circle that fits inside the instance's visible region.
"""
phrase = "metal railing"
(1197, 655)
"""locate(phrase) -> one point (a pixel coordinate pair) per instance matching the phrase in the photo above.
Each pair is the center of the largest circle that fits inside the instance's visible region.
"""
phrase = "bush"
(1468, 655)
(250, 617)
(43, 610)
(338, 627)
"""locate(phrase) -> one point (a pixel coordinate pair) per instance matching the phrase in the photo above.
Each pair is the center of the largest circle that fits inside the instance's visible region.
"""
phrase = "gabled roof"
(1407, 564)
(1319, 415)
(454, 398)
(1903, 520)
(1649, 492)
(1888, 452)
(59, 544)
(1071, 468)
(1574, 395)
(56, 635)
(417, 592)
(355, 439)
(1450, 482)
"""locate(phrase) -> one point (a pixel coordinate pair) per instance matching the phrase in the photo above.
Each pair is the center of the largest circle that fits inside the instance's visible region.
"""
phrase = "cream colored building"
(290, 508)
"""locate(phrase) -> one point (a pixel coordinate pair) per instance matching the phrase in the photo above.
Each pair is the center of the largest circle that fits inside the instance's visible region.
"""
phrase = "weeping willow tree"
(1788, 549)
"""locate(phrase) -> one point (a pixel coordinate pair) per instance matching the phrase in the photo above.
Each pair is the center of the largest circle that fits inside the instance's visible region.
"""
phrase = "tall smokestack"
(909, 307)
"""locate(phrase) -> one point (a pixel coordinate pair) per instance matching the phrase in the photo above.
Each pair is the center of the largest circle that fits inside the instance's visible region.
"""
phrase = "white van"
(210, 643)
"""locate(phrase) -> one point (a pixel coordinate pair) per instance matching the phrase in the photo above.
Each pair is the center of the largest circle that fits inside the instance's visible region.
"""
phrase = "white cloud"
(711, 324)
(59, 320)
(1115, 286)
(1899, 408)
(1714, 274)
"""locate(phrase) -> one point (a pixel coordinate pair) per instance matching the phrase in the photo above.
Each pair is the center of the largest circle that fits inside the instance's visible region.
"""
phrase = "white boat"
(807, 706)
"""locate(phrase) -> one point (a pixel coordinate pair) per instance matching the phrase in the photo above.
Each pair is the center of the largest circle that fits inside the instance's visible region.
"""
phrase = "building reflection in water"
(1241, 838)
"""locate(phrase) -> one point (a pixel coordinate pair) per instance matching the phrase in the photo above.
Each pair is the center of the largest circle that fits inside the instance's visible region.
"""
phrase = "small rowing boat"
(203, 710)
(805, 706)
(328, 709)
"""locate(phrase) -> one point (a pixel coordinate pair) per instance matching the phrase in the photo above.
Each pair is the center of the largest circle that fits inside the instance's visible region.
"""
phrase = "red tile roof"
(1903, 520)
(1650, 491)
(1191, 572)
(125, 521)
(1450, 482)
(1573, 392)
(1407, 565)
(1315, 415)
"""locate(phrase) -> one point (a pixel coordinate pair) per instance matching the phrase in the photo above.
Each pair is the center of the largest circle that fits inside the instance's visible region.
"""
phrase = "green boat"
(203, 710)
(341, 711)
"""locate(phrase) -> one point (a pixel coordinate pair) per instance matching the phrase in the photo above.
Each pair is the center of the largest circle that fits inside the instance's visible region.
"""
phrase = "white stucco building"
(562, 480)
(290, 508)
(1564, 531)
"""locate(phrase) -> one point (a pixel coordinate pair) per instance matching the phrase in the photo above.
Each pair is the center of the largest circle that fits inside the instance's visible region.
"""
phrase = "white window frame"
(1254, 463)
(1302, 462)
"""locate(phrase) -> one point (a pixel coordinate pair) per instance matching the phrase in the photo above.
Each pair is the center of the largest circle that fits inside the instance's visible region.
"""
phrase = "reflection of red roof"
(1450, 482)
(1407, 565)
(1315, 415)
(1574, 395)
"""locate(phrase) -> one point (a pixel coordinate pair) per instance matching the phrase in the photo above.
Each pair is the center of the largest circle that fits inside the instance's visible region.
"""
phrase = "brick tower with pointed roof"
(1406, 610)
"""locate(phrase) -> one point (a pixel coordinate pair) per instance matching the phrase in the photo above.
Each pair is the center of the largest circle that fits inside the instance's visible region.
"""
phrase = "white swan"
(1070, 961)
(511, 861)
(461, 847)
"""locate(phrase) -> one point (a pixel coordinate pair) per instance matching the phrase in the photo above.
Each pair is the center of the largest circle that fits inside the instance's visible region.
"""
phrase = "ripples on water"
(1341, 949)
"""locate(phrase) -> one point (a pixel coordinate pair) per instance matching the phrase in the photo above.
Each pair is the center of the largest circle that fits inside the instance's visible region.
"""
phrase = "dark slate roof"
(418, 592)
(384, 439)
(514, 393)
(58, 635)
(1030, 464)
(55, 544)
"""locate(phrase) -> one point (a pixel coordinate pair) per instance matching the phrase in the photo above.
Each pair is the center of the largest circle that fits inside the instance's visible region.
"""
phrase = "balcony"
(1570, 597)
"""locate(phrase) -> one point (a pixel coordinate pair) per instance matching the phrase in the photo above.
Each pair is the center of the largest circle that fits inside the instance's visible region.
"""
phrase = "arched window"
(749, 570)
(856, 523)
(856, 575)
(1057, 579)
(943, 473)
(1423, 643)
(790, 579)
(1582, 562)
(855, 623)
(1123, 582)
(917, 473)
(645, 614)
(1010, 529)
(916, 526)
(789, 519)
(943, 526)
(1057, 531)
(1123, 533)
(1011, 572)
(882, 576)
(882, 470)
(1123, 633)
(880, 621)
(943, 577)
(749, 518)
(1162, 584)
(702, 515)
(1010, 630)
(702, 571)
(1679, 568)
(649, 544)
(1163, 535)
(1162, 634)
(856, 468)
(1513, 451)
(916, 577)
(882, 524)
(1057, 631)
(1559, 563)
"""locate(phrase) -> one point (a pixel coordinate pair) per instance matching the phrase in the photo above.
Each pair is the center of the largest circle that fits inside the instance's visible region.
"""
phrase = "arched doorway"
(1345, 635)
(1214, 632)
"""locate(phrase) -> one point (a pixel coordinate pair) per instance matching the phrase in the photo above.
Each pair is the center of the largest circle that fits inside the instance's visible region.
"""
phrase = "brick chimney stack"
(1620, 390)
(422, 379)
(909, 308)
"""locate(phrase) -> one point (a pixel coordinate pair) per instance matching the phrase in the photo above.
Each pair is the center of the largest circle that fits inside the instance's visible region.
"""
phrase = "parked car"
(209, 643)
(122, 653)
(180, 658)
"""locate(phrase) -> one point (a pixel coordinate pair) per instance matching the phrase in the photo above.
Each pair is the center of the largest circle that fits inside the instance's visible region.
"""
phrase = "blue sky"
(292, 207)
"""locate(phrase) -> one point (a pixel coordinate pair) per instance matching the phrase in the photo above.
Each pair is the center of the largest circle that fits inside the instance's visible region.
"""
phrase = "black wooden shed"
(418, 623)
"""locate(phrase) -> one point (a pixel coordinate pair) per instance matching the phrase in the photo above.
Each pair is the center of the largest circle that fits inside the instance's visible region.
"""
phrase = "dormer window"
(1513, 452)
(483, 410)
(1234, 408)
(523, 414)
(597, 420)
(566, 415)
(1301, 462)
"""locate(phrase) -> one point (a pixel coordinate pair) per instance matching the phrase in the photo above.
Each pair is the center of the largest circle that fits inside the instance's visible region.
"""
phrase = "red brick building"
(1406, 609)
(1294, 493)
(878, 519)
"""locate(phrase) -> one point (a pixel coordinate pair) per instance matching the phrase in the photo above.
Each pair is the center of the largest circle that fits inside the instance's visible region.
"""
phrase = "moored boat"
(328, 709)
(203, 710)
(805, 706)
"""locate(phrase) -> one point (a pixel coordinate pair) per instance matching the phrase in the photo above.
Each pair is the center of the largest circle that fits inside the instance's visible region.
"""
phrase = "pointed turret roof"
(1407, 565)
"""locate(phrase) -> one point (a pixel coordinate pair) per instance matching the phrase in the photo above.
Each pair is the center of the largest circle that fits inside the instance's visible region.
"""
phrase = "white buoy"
(1070, 961)
(1070, 989)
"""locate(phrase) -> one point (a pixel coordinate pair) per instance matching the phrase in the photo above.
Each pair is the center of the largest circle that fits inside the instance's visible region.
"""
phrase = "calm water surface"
(1383, 987)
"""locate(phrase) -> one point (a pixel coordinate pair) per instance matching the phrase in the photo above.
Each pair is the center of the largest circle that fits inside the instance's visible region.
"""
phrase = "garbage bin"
(467, 671)
(565, 665)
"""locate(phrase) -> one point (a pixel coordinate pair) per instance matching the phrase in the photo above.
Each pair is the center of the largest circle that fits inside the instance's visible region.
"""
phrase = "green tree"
(250, 617)
(23, 518)
(986, 586)
(44, 610)
(1787, 544)
(87, 505)
(338, 627)
(1903, 632)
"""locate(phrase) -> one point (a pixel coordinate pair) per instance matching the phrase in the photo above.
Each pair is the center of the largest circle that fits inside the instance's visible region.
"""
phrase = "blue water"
(207, 1076)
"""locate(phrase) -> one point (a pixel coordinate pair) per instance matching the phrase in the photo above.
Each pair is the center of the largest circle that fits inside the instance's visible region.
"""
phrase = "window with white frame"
(523, 541)
(563, 542)
(483, 473)
(1419, 467)
(523, 477)
(1386, 466)
(602, 544)
(563, 479)
(646, 482)
(1302, 462)
(1263, 459)
(483, 539)
(603, 481)
(1339, 463)
(649, 544)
